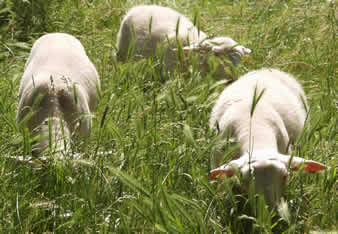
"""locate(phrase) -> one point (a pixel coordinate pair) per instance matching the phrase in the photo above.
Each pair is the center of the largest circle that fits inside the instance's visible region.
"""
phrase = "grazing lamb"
(278, 118)
(58, 90)
(147, 27)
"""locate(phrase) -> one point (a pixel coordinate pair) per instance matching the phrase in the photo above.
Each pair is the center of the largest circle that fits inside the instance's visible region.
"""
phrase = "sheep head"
(221, 46)
(269, 171)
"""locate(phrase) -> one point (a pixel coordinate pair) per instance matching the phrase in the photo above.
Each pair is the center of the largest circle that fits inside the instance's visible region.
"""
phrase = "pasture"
(145, 166)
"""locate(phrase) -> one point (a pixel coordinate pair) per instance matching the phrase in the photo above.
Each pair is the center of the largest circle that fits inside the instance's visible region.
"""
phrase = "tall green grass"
(155, 127)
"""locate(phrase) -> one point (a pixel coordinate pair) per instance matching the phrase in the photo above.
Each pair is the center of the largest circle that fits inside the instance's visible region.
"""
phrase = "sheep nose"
(243, 50)
(247, 51)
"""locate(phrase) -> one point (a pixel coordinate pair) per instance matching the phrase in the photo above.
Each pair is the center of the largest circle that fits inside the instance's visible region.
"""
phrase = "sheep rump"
(58, 87)
(282, 107)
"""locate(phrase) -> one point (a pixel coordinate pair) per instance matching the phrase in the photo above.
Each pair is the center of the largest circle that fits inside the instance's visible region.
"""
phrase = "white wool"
(277, 119)
(149, 27)
(58, 63)
(280, 112)
(163, 24)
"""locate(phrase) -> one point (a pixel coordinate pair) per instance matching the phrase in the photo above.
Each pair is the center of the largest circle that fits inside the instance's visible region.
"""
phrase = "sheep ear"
(221, 172)
(192, 47)
(309, 165)
(312, 166)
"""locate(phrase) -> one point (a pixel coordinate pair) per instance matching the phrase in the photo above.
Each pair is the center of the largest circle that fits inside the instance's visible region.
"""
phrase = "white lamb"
(58, 89)
(148, 27)
(278, 118)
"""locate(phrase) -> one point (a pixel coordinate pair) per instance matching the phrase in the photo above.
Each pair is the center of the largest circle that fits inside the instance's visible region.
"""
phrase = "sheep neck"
(257, 136)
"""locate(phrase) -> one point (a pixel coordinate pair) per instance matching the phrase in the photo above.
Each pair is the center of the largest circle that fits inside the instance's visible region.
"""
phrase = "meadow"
(153, 125)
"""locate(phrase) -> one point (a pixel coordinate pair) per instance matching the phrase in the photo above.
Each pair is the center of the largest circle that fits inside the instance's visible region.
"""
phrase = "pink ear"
(221, 173)
(192, 47)
(312, 166)
(186, 50)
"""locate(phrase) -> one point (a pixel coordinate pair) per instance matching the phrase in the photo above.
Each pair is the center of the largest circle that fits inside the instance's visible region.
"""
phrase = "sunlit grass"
(154, 126)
